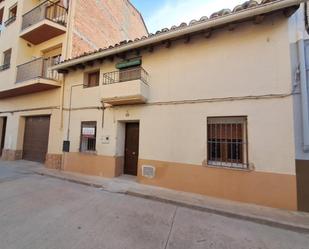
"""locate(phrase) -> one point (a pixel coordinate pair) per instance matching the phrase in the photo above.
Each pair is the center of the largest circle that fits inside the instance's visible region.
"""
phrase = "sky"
(160, 14)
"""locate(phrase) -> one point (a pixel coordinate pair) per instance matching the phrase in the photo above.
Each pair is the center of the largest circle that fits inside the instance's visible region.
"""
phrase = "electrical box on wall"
(105, 139)
(66, 146)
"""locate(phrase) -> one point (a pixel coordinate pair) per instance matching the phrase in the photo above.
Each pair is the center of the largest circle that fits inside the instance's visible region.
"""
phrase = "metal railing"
(125, 75)
(38, 68)
(47, 10)
(4, 66)
(10, 20)
(227, 142)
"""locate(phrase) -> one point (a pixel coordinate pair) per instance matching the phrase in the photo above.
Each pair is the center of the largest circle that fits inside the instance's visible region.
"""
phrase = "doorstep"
(291, 220)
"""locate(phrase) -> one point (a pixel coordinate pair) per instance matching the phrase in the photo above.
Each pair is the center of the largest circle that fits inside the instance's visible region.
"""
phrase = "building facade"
(35, 35)
(299, 38)
(216, 107)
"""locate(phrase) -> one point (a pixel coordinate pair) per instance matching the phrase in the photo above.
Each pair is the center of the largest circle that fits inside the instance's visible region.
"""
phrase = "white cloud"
(173, 12)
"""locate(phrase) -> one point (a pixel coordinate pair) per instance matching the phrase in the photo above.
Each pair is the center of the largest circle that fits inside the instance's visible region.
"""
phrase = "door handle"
(134, 153)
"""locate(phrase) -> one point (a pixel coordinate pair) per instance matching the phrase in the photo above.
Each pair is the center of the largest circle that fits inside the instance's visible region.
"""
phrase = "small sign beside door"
(88, 131)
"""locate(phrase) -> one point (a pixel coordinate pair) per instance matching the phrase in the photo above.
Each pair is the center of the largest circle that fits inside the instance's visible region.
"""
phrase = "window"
(227, 142)
(6, 59)
(88, 136)
(92, 79)
(12, 15)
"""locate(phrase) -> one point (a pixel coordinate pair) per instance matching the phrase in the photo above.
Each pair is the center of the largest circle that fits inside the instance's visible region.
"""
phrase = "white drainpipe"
(304, 95)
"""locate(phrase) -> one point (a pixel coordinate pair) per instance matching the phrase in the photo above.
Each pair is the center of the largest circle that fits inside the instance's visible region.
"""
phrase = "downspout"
(304, 95)
(62, 101)
(70, 110)
(306, 17)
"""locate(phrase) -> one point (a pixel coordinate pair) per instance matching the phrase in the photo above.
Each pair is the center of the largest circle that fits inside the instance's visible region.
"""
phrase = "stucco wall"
(22, 51)
(15, 109)
(251, 60)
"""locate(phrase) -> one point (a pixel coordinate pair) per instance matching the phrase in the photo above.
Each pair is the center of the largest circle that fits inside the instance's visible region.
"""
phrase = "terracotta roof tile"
(246, 5)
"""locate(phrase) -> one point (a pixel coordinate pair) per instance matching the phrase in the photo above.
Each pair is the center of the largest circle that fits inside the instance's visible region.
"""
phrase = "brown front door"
(131, 149)
(36, 138)
(3, 135)
(302, 176)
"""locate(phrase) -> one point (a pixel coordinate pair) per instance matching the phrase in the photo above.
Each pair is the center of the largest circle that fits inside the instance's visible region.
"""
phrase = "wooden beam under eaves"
(168, 44)
(208, 34)
(101, 60)
(121, 56)
(137, 52)
(187, 39)
(73, 68)
(63, 71)
(290, 11)
(90, 63)
(80, 66)
(259, 19)
(231, 26)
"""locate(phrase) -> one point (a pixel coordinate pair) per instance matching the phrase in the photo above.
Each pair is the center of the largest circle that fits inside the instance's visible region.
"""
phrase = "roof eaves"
(223, 17)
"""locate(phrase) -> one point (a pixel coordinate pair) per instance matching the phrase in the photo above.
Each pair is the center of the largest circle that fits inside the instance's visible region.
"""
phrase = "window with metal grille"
(92, 79)
(88, 136)
(6, 60)
(227, 142)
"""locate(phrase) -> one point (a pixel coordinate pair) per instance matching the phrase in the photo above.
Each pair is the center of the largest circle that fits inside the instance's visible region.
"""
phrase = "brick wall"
(102, 23)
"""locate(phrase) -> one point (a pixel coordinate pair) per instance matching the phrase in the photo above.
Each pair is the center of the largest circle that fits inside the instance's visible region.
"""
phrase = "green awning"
(130, 63)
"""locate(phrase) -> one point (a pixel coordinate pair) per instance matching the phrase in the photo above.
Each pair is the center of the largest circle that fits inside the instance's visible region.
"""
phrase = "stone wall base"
(53, 161)
(12, 155)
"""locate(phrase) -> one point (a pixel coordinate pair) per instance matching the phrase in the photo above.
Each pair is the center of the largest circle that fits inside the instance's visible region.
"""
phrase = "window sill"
(250, 168)
(86, 87)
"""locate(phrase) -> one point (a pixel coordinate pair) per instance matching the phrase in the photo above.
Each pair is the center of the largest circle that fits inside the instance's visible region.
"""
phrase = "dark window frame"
(88, 80)
(91, 140)
(6, 60)
(227, 142)
(12, 15)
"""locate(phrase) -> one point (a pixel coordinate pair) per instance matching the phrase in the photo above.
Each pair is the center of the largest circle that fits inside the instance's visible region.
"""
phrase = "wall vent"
(148, 171)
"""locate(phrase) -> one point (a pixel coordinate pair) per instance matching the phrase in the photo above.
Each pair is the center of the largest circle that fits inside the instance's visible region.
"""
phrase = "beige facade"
(235, 66)
(244, 71)
(39, 34)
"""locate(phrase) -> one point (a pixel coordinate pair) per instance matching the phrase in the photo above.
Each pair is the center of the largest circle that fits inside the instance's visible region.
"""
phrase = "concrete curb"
(251, 218)
(255, 219)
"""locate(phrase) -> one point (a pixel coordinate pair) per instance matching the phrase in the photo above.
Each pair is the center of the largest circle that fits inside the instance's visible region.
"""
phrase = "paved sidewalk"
(295, 221)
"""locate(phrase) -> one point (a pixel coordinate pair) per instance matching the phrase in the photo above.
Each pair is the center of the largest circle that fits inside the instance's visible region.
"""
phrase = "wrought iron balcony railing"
(46, 10)
(125, 75)
(4, 66)
(38, 68)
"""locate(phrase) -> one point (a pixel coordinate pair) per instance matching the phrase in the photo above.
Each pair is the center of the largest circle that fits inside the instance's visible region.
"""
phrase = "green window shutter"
(130, 63)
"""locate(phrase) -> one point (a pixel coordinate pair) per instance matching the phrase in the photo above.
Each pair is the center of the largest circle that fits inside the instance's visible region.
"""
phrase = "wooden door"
(302, 176)
(131, 149)
(3, 134)
(36, 138)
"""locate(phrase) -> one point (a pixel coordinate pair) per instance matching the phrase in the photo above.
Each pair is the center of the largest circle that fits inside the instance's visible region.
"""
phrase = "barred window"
(227, 142)
(88, 136)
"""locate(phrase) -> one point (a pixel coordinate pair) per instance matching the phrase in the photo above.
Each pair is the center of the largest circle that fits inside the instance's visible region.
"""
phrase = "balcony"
(125, 87)
(44, 22)
(34, 76)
